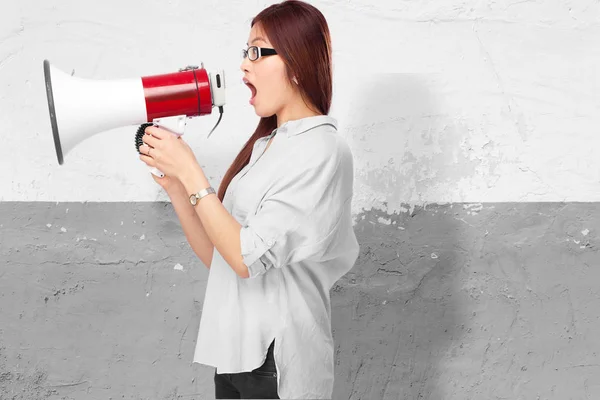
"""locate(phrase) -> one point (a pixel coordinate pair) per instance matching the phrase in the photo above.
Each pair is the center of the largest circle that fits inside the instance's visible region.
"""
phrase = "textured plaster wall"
(474, 128)
(441, 101)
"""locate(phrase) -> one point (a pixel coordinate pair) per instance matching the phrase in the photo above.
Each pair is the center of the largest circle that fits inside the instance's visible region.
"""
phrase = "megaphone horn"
(80, 108)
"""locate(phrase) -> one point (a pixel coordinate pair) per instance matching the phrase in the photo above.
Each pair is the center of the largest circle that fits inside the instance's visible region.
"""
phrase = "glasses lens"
(253, 53)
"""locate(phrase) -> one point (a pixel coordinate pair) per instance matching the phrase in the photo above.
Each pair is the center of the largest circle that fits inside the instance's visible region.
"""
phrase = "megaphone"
(80, 108)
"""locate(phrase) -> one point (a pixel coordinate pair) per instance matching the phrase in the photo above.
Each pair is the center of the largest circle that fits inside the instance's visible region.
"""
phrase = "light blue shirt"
(297, 239)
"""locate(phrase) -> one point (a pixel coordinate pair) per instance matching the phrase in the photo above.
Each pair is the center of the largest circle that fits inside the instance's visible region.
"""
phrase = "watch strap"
(194, 198)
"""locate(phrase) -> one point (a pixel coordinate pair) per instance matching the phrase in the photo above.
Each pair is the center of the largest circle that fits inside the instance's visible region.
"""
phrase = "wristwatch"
(197, 196)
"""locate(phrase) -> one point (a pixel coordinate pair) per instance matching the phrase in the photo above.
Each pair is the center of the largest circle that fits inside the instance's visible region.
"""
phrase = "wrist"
(193, 179)
(175, 188)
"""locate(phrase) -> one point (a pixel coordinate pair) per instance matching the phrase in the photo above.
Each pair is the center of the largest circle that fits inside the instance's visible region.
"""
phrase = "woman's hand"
(167, 152)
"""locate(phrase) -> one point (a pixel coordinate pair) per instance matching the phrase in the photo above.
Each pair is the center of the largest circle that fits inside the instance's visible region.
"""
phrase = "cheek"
(275, 90)
(273, 79)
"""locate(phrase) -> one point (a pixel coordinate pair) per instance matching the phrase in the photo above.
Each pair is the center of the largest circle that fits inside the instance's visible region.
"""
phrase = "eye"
(253, 52)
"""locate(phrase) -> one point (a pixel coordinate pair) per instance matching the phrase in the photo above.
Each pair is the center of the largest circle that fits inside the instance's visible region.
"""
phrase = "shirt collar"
(298, 126)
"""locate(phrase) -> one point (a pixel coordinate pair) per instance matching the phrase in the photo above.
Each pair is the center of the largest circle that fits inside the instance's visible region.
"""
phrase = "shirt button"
(271, 242)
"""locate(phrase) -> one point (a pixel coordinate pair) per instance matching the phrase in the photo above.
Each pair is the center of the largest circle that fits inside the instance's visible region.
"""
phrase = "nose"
(245, 65)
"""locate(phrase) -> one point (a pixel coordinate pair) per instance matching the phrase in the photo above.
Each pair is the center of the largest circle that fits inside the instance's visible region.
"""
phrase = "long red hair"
(300, 35)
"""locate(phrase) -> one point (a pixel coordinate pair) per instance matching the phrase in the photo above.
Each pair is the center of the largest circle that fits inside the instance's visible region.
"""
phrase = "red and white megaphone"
(80, 108)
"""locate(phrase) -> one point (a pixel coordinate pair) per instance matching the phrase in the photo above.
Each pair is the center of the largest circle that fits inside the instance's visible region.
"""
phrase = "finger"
(157, 132)
(151, 140)
(145, 149)
(148, 160)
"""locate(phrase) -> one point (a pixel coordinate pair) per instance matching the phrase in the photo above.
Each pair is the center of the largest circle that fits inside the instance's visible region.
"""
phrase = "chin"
(262, 112)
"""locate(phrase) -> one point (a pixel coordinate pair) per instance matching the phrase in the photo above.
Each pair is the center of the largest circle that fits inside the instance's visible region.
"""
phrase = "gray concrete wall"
(474, 129)
(103, 300)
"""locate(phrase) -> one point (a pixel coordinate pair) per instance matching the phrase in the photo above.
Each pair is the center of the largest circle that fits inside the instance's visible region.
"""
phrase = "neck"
(294, 112)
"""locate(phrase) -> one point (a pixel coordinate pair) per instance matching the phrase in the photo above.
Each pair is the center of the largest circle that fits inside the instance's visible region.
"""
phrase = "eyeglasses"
(254, 52)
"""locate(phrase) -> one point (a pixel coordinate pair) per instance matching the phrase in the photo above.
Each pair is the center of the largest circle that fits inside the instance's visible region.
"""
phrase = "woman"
(279, 233)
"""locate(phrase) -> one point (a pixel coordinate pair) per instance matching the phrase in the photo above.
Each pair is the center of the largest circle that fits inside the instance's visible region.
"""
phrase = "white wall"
(441, 101)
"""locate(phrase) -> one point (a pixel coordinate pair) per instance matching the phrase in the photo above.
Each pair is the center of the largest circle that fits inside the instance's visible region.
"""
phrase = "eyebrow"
(256, 39)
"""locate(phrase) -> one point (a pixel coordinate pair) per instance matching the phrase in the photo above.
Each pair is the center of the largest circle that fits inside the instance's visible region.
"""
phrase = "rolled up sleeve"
(301, 210)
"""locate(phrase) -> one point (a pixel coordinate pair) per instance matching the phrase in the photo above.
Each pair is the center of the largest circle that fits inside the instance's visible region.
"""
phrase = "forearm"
(192, 226)
(220, 226)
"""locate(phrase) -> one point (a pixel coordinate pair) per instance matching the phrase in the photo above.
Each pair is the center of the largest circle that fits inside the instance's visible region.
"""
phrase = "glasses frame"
(261, 51)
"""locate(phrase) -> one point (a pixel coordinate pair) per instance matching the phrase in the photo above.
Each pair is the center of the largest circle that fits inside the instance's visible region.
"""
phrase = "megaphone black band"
(52, 112)
(197, 89)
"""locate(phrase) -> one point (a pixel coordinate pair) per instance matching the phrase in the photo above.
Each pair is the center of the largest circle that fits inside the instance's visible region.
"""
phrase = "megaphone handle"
(175, 125)
(155, 171)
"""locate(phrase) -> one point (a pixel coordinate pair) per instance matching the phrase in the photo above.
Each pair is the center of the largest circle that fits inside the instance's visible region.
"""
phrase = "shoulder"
(320, 146)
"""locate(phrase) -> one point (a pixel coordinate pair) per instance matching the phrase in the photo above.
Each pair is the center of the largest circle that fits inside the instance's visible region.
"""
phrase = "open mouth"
(252, 89)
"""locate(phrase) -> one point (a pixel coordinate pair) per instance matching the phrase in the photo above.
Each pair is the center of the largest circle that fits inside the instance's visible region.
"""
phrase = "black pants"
(260, 383)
